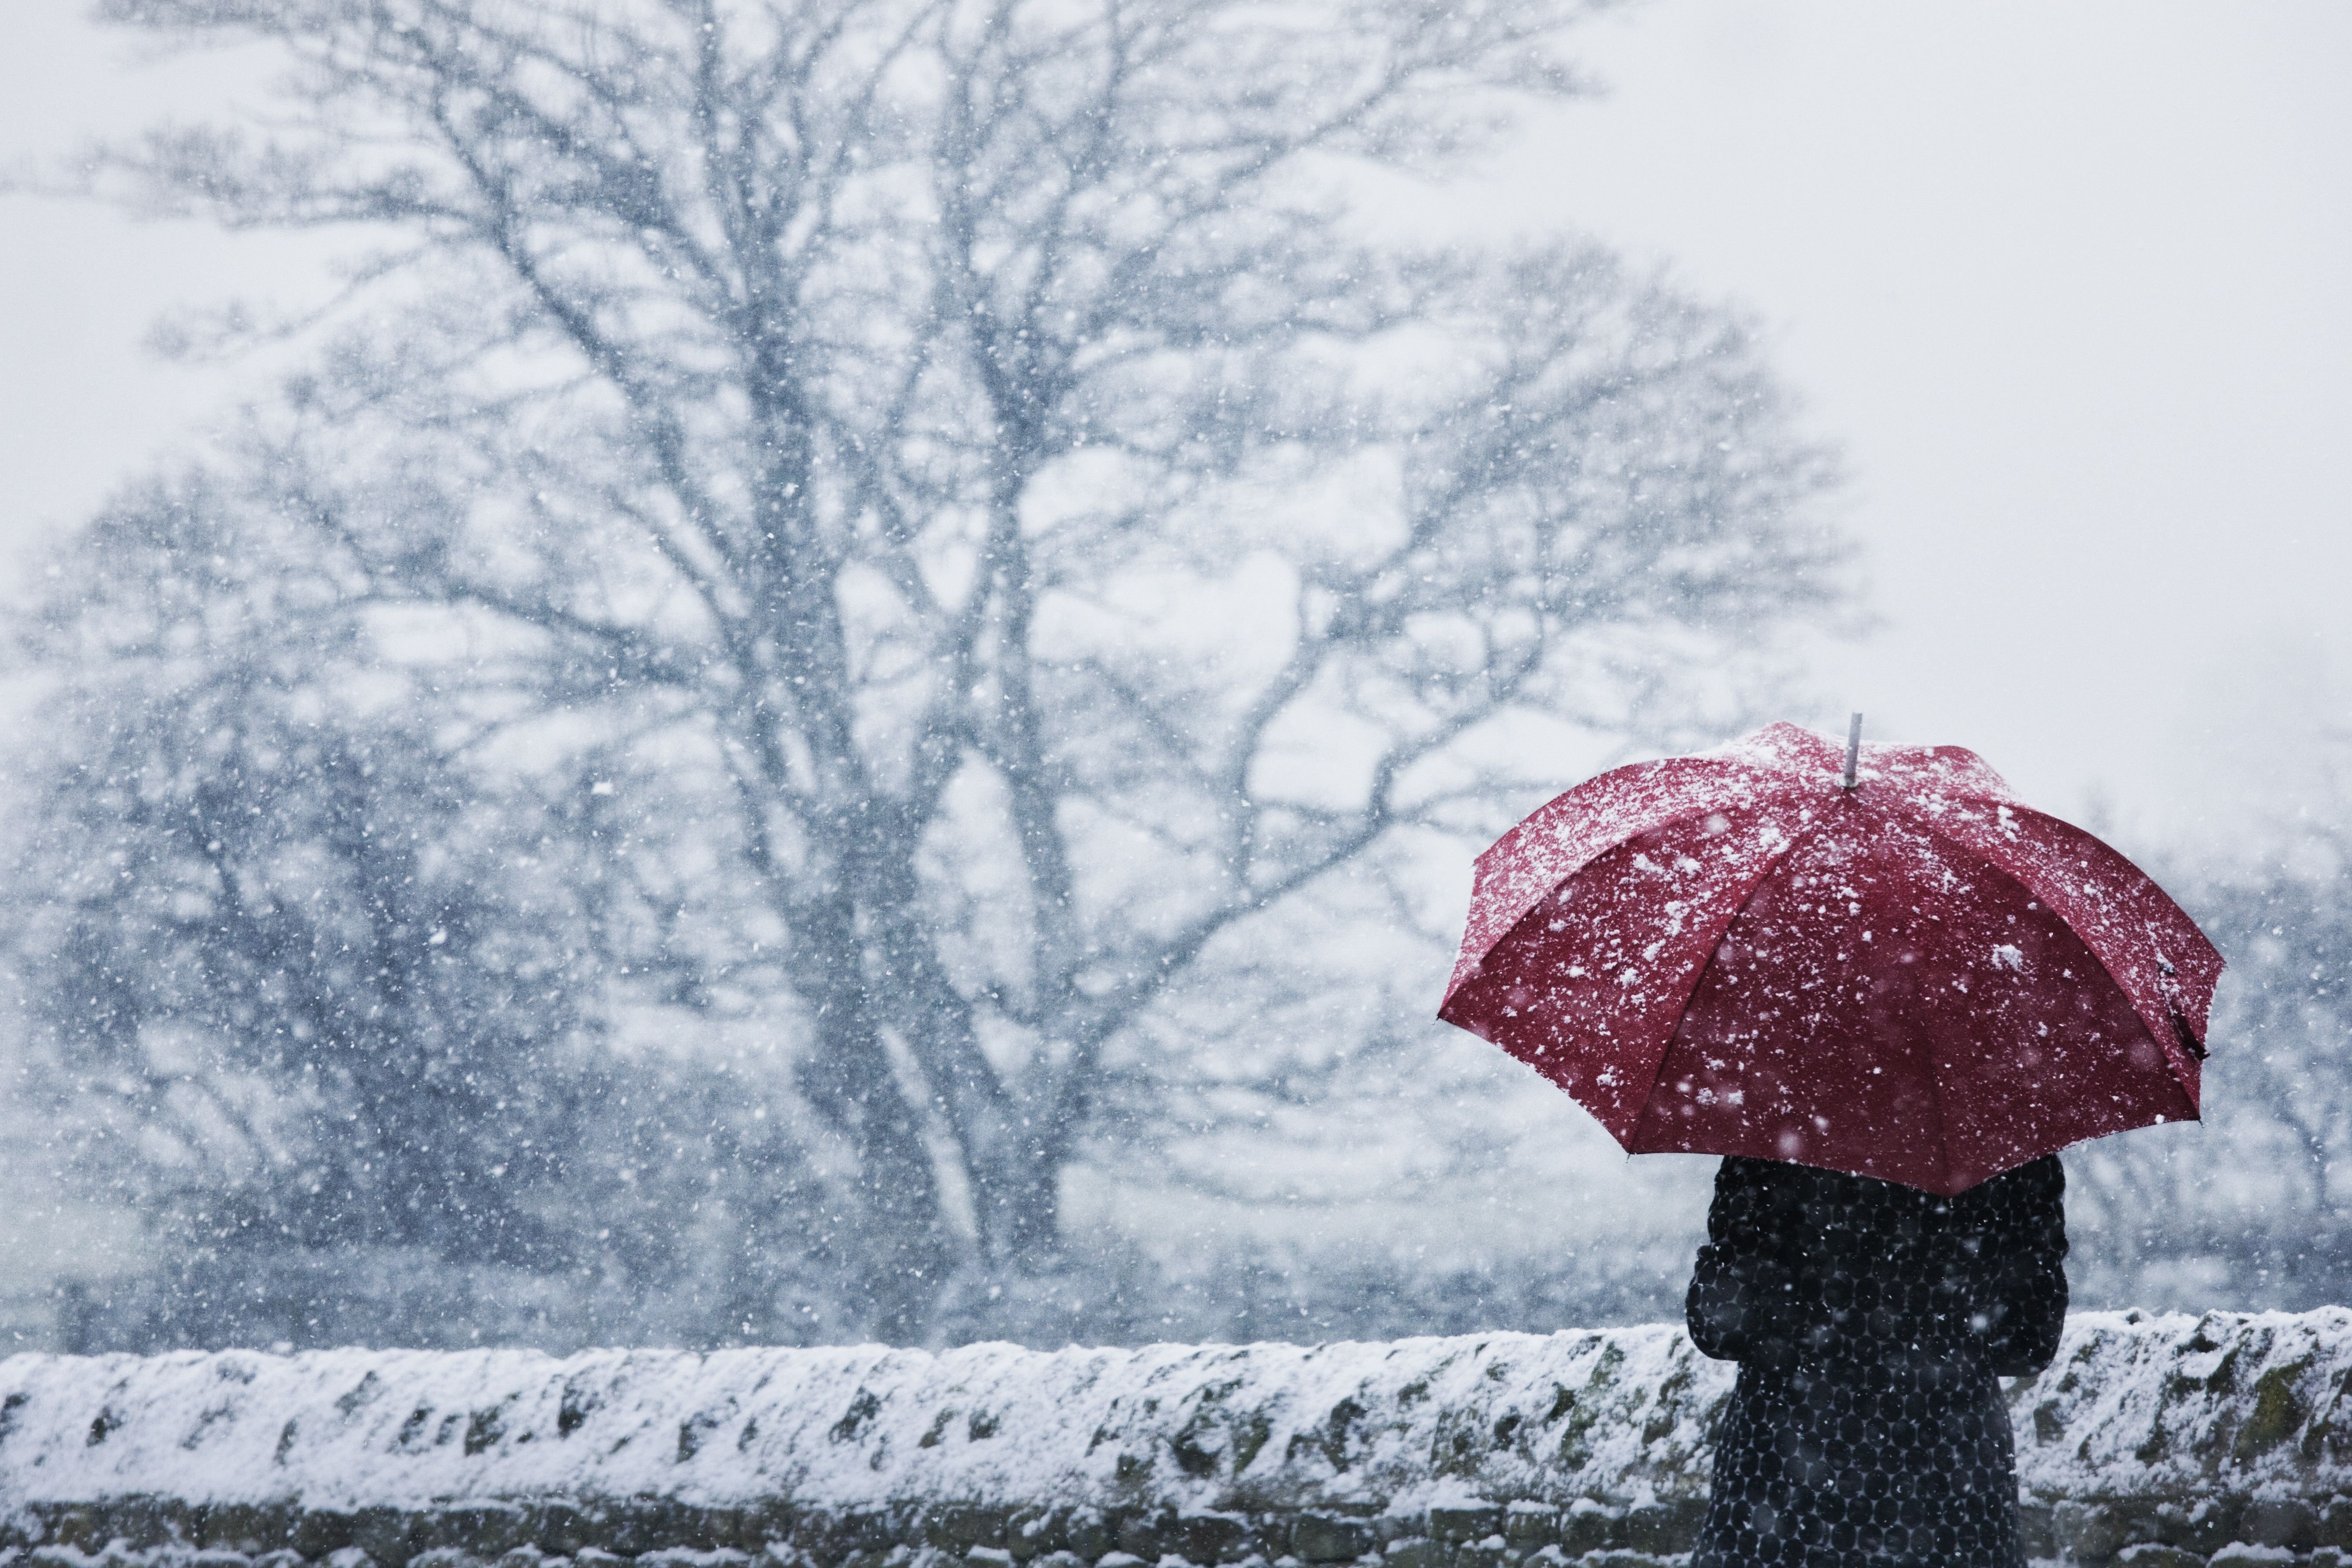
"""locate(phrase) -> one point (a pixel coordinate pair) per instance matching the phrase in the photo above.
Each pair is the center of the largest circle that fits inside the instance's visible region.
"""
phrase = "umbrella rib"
(1936, 1067)
(1658, 1071)
(1535, 905)
(1943, 1122)
(2096, 957)
(1989, 864)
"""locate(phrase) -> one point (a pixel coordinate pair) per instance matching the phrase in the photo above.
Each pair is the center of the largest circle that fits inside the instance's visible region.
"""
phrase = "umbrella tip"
(1852, 751)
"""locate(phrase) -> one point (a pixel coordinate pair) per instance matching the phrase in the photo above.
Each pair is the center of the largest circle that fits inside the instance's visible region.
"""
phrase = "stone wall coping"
(2135, 1406)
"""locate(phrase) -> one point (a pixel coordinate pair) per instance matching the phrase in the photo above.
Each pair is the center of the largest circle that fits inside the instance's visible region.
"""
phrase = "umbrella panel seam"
(1657, 1073)
(2164, 1048)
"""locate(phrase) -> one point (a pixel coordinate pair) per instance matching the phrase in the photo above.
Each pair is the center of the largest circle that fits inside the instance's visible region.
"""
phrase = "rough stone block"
(1486, 1553)
(2086, 1533)
(388, 1536)
(1589, 1526)
(177, 1520)
(2204, 1526)
(958, 1530)
(1415, 1551)
(1032, 1534)
(1329, 1538)
(757, 1524)
(876, 1532)
(559, 1528)
(811, 1539)
(688, 1528)
(1145, 1536)
(1664, 1529)
(322, 1531)
(1207, 1538)
(445, 1557)
(2150, 1555)
(626, 1531)
(1459, 1524)
(480, 1530)
(90, 1536)
(737, 1528)
(2033, 1530)
(244, 1528)
(2336, 1523)
(2137, 1519)
(2290, 1522)
(136, 1523)
(1085, 1533)
(2245, 1554)
(988, 1557)
(1530, 1524)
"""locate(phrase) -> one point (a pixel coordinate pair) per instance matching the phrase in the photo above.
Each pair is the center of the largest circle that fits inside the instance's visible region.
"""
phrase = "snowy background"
(2058, 287)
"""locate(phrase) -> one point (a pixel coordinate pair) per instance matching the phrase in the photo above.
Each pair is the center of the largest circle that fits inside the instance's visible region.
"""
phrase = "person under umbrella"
(1870, 1321)
(1888, 993)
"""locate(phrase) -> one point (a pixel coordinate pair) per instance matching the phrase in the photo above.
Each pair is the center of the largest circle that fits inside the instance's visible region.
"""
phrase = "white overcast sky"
(2068, 281)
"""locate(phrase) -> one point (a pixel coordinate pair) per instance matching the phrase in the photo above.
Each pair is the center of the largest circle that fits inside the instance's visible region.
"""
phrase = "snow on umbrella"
(1910, 975)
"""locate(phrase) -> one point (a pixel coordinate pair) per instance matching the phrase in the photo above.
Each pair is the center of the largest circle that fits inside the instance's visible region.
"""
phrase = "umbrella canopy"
(1916, 978)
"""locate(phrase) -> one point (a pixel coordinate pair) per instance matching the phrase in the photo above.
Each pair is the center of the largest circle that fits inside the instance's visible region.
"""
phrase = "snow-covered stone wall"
(2157, 1440)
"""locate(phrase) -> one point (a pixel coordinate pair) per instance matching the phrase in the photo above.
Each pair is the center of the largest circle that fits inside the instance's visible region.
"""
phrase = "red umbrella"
(1900, 972)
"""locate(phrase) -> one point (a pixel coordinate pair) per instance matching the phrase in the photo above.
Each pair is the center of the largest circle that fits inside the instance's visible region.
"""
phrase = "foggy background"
(2063, 289)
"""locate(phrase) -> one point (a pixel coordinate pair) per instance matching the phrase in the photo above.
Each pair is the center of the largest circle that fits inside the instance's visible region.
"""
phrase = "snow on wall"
(2254, 1405)
(1619, 1412)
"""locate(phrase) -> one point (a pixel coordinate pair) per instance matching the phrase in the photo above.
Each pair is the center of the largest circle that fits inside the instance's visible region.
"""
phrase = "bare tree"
(951, 488)
(315, 985)
(314, 990)
(2289, 930)
(2251, 1207)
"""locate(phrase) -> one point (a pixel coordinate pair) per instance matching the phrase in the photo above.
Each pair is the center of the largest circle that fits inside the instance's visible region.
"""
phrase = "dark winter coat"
(1870, 1322)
